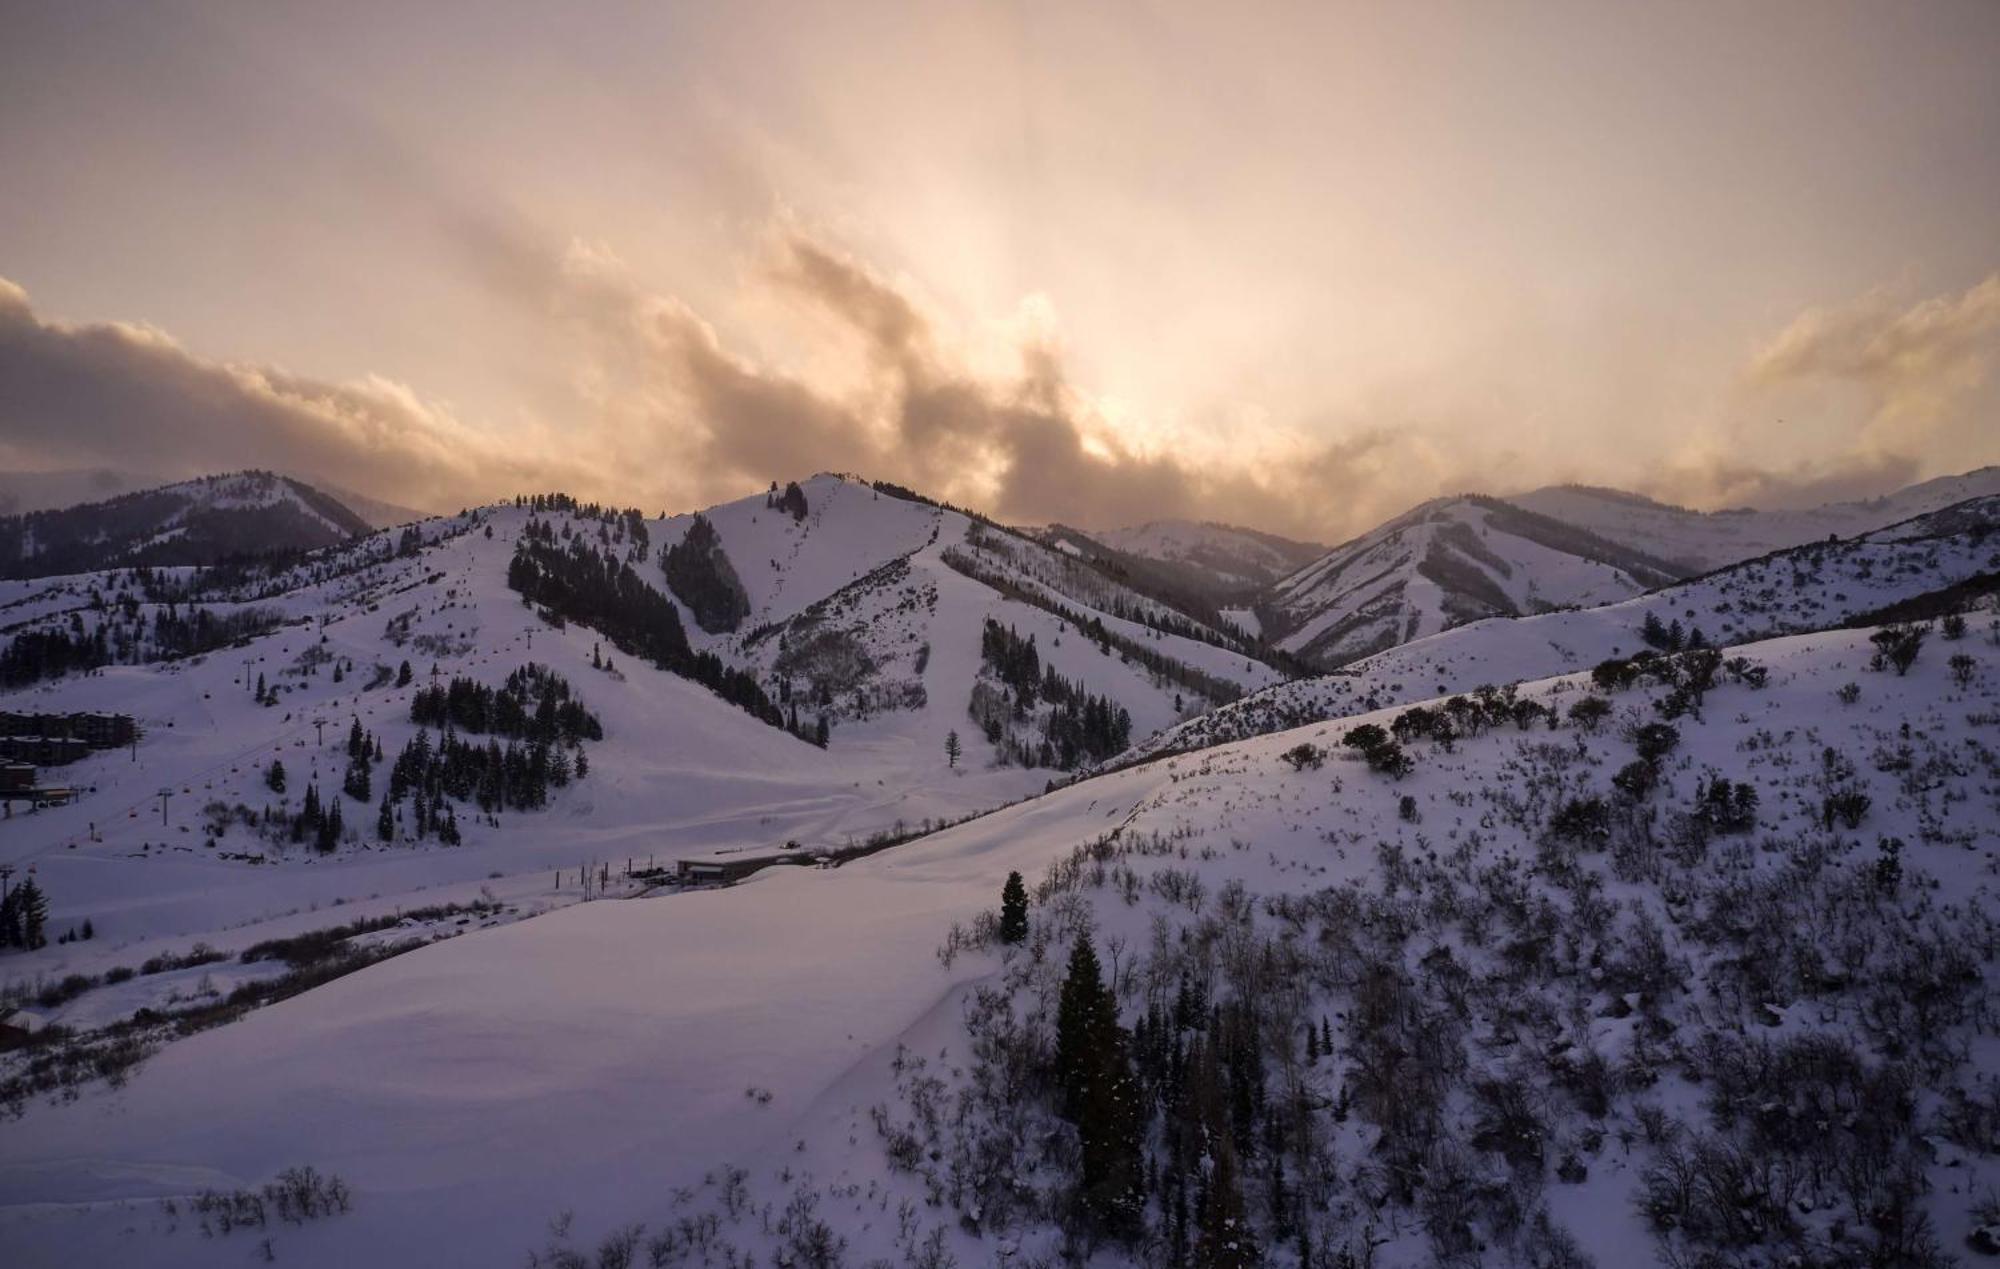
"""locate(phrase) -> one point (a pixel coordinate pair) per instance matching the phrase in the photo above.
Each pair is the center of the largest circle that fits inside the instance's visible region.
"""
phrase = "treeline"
(517, 776)
(535, 703)
(1163, 668)
(1077, 725)
(700, 575)
(33, 655)
(1092, 582)
(596, 589)
(538, 713)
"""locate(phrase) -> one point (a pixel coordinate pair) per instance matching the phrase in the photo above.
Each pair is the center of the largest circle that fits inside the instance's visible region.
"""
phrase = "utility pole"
(165, 793)
(319, 725)
(6, 871)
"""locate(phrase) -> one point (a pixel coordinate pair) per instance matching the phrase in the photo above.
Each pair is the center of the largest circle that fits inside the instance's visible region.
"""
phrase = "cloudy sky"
(1296, 266)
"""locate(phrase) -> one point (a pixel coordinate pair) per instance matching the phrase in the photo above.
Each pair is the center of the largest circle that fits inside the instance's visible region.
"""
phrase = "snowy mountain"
(1447, 562)
(193, 522)
(870, 603)
(1701, 540)
(1226, 555)
(1496, 990)
(1503, 1001)
(1942, 561)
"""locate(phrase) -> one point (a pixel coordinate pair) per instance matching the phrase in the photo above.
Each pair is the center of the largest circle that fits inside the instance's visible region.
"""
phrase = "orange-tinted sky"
(1291, 265)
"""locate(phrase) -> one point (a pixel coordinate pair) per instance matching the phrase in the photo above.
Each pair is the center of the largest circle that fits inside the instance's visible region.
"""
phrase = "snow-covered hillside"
(855, 615)
(1699, 541)
(1548, 1019)
(1442, 564)
(1229, 556)
(1812, 587)
(871, 603)
(193, 522)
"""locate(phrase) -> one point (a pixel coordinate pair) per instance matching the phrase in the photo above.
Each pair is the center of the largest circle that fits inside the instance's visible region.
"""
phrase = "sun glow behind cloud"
(1297, 267)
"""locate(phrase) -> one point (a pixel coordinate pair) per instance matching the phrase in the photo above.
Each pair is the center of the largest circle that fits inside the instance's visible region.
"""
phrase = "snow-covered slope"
(193, 522)
(856, 614)
(1229, 556)
(1536, 1016)
(1442, 564)
(873, 603)
(1700, 541)
(1813, 587)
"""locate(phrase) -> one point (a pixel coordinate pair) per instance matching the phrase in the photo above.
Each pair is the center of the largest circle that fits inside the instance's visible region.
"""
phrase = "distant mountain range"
(1701, 540)
(1437, 566)
(24, 491)
(194, 522)
(1461, 559)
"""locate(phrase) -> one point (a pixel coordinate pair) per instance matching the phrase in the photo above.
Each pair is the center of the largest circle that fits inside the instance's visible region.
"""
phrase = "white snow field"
(615, 1060)
(844, 1055)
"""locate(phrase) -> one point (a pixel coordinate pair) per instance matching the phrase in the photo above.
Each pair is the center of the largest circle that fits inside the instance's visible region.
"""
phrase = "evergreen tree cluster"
(1107, 582)
(123, 636)
(1201, 1069)
(614, 525)
(535, 703)
(1670, 636)
(597, 589)
(24, 916)
(363, 752)
(792, 501)
(515, 776)
(1077, 726)
(321, 822)
(1164, 669)
(700, 575)
(34, 655)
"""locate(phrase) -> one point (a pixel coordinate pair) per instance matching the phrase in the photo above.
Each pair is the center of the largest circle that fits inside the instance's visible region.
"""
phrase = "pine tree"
(10, 919)
(34, 909)
(274, 776)
(385, 821)
(1099, 1093)
(1014, 910)
(821, 733)
(1112, 1127)
(328, 838)
(952, 749)
(359, 785)
(404, 675)
(1225, 1241)
(1076, 1011)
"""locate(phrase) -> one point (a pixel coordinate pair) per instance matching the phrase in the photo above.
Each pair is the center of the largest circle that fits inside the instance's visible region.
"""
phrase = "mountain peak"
(196, 521)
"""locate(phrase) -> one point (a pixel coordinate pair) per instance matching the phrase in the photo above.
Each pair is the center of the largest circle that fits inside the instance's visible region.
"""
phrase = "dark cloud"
(666, 413)
(114, 394)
